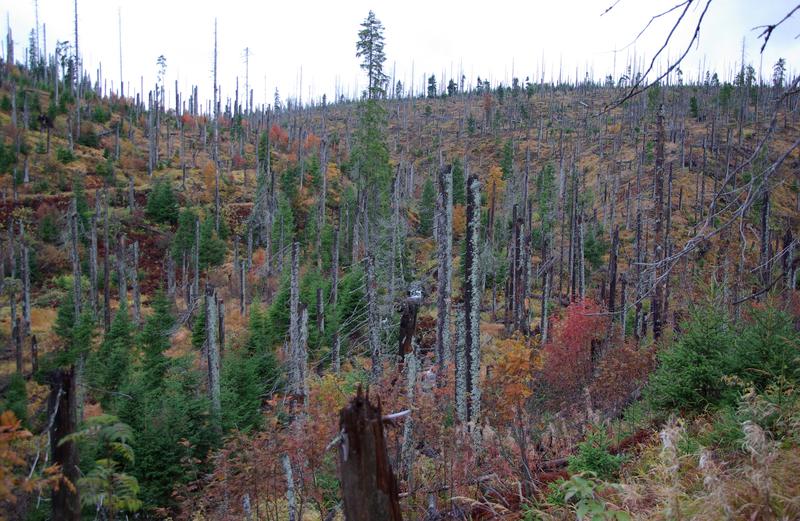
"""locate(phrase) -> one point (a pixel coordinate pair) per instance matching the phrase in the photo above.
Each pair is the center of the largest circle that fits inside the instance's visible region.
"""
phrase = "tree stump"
(369, 487)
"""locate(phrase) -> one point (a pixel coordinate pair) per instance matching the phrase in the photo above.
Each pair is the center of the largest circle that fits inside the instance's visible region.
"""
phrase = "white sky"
(489, 39)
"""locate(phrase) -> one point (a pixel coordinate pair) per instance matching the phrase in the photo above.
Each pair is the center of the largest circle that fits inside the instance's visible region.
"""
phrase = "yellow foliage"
(209, 174)
(495, 183)
(510, 378)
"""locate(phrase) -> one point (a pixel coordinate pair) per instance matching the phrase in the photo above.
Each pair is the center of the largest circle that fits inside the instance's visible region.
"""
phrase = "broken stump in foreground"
(369, 487)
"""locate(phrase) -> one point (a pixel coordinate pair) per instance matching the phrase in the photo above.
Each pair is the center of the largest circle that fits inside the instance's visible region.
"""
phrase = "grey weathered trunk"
(295, 369)
(122, 278)
(765, 263)
(373, 320)
(137, 298)
(407, 448)
(93, 293)
(444, 272)
(472, 302)
(291, 502)
(212, 350)
(335, 267)
(106, 267)
(131, 195)
(26, 284)
(612, 271)
(196, 261)
(76, 260)
(658, 227)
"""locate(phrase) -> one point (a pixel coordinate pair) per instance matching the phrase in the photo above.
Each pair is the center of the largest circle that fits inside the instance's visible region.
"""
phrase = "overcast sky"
(489, 39)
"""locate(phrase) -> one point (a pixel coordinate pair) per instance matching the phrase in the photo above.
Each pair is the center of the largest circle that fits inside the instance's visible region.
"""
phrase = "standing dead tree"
(445, 270)
(369, 487)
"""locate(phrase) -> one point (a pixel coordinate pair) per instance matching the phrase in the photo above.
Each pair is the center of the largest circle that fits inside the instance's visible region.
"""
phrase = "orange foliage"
(508, 382)
(209, 174)
(14, 479)
(259, 256)
(278, 136)
(311, 142)
(187, 119)
(459, 221)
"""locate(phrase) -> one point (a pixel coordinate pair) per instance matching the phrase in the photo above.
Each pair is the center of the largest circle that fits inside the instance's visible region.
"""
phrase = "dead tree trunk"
(444, 274)
(472, 302)
(137, 298)
(612, 271)
(122, 279)
(658, 227)
(63, 414)
(372, 320)
(93, 293)
(369, 487)
(106, 267)
(212, 351)
(295, 371)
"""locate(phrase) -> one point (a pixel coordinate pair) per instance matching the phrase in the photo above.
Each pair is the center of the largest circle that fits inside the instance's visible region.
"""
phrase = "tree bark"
(62, 408)
(369, 487)
(373, 320)
(212, 351)
(472, 302)
(444, 273)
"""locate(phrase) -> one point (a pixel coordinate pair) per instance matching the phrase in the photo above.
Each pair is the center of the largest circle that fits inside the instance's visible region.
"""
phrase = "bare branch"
(767, 32)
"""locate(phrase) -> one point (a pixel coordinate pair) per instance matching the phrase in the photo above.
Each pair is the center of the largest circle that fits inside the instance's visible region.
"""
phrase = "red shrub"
(567, 356)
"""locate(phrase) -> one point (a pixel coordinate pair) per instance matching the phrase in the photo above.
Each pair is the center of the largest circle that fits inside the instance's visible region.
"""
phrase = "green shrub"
(593, 456)
(101, 114)
(16, 398)
(767, 349)
(690, 372)
(64, 155)
(212, 248)
(162, 205)
(89, 138)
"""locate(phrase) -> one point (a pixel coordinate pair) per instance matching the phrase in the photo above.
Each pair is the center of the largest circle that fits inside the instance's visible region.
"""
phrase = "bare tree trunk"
(658, 239)
(212, 351)
(62, 407)
(122, 279)
(93, 259)
(106, 267)
(766, 265)
(472, 302)
(295, 371)
(335, 266)
(612, 270)
(407, 448)
(26, 285)
(76, 260)
(131, 195)
(369, 487)
(291, 503)
(137, 299)
(373, 320)
(34, 355)
(196, 257)
(444, 273)
(16, 339)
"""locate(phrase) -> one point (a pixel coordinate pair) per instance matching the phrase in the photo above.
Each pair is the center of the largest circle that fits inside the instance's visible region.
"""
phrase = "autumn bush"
(567, 356)
(620, 375)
